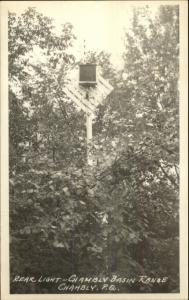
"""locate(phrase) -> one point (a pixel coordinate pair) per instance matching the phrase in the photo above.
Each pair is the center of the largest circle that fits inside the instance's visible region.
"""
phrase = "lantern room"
(87, 75)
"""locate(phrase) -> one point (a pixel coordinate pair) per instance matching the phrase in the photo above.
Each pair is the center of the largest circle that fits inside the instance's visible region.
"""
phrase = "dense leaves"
(119, 216)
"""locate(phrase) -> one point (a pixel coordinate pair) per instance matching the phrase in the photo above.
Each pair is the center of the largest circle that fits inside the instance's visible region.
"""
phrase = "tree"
(143, 203)
(34, 84)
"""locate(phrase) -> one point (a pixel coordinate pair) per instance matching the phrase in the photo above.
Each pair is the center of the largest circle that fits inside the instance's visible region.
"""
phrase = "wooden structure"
(87, 89)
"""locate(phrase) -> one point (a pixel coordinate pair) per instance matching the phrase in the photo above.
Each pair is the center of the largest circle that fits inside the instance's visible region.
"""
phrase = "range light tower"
(87, 89)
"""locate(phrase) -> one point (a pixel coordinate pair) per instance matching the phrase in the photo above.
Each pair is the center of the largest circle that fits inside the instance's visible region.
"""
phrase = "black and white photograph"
(94, 124)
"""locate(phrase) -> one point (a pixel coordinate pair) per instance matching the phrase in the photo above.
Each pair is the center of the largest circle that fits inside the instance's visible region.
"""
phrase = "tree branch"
(168, 177)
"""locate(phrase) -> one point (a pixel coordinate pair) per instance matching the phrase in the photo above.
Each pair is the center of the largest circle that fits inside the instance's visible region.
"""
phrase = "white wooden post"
(89, 128)
(89, 137)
